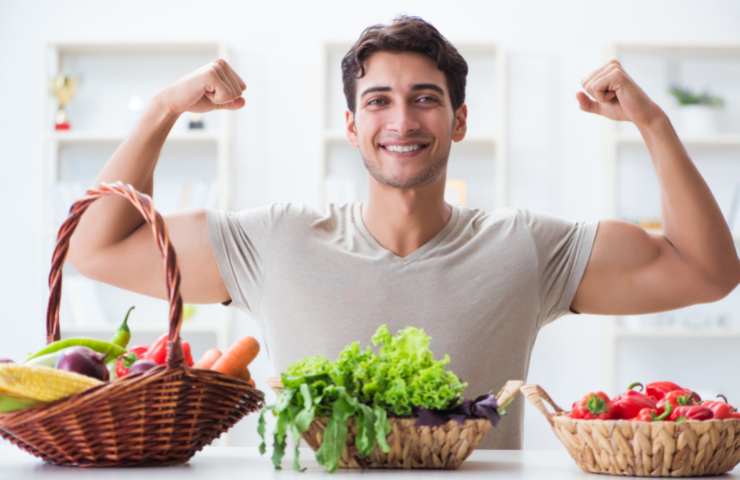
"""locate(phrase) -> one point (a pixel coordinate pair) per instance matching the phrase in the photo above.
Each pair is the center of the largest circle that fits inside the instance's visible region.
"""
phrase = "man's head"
(405, 90)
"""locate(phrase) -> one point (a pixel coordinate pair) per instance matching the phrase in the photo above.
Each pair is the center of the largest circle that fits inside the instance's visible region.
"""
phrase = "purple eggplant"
(141, 366)
(84, 361)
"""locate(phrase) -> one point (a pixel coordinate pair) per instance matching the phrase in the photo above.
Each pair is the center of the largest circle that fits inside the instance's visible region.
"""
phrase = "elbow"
(722, 285)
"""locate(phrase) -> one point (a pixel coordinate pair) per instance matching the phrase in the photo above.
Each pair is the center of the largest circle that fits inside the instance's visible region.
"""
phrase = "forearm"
(693, 222)
(110, 220)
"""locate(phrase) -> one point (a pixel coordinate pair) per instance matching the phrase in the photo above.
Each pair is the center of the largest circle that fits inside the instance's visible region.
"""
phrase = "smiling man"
(480, 283)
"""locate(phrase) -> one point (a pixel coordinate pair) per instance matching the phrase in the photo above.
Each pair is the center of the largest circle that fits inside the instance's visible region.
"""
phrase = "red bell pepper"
(159, 349)
(651, 414)
(657, 390)
(594, 405)
(691, 412)
(187, 353)
(124, 362)
(719, 409)
(679, 398)
(631, 403)
(735, 415)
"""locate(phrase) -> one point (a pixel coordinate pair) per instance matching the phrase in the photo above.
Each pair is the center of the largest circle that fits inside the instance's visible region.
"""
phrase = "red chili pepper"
(594, 405)
(657, 390)
(631, 403)
(719, 409)
(691, 412)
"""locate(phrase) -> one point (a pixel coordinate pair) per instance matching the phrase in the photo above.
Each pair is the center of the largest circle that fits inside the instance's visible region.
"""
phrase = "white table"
(235, 463)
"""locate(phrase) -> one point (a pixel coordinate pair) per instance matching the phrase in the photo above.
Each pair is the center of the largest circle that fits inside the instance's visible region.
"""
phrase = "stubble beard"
(425, 177)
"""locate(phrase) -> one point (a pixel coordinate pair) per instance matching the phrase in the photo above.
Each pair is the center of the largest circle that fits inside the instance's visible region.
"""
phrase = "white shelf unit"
(193, 171)
(655, 67)
(477, 167)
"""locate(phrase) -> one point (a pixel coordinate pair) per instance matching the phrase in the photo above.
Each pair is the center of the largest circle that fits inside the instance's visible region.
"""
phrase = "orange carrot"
(244, 374)
(208, 358)
(251, 383)
(237, 357)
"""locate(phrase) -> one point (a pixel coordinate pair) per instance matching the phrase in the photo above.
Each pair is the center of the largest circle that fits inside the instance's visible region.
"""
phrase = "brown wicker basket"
(441, 447)
(161, 417)
(645, 449)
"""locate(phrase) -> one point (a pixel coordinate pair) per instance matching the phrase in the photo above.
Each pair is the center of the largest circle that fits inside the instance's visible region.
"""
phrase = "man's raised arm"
(112, 244)
(694, 259)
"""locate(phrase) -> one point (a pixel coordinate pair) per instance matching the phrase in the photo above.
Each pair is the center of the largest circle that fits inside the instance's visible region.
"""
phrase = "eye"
(427, 99)
(376, 101)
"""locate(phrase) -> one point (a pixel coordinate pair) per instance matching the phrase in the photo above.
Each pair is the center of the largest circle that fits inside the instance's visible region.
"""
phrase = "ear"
(351, 127)
(460, 123)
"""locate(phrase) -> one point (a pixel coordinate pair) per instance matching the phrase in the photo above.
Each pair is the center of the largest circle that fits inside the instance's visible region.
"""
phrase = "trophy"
(63, 87)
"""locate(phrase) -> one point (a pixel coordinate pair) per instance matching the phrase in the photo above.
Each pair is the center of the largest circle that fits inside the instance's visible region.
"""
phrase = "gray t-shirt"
(481, 288)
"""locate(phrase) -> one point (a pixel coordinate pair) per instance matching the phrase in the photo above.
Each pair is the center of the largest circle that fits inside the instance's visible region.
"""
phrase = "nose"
(402, 121)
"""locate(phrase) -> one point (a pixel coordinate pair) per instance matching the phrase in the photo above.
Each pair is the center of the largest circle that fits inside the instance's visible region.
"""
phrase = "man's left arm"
(694, 259)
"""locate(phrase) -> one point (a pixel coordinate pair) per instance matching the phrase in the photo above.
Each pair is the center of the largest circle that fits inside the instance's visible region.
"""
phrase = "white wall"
(276, 47)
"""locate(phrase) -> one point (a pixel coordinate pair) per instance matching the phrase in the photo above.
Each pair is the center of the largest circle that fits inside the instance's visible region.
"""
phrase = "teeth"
(402, 148)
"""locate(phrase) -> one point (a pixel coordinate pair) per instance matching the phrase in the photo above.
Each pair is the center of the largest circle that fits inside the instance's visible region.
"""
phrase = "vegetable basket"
(413, 447)
(646, 449)
(161, 417)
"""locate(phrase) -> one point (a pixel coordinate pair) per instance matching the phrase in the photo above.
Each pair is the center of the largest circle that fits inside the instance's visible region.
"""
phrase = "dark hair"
(405, 34)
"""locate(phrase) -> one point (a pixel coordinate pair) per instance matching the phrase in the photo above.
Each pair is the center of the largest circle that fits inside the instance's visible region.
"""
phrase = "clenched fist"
(213, 86)
(613, 94)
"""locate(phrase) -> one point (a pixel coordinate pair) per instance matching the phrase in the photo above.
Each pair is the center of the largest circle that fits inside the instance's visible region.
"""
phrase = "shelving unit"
(655, 67)
(193, 171)
(477, 165)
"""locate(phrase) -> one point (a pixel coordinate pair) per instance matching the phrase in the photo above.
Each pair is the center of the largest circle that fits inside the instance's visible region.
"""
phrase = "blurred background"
(529, 146)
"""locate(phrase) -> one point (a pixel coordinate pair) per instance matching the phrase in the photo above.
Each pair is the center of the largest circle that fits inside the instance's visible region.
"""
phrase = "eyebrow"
(415, 87)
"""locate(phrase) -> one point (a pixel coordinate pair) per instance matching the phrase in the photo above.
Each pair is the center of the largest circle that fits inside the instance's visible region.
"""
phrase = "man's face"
(404, 122)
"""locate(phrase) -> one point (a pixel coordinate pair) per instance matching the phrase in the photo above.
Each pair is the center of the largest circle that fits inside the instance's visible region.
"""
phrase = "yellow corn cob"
(40, 383)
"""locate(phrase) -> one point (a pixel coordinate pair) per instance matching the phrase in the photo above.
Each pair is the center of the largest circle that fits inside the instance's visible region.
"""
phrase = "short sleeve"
(563, 251)
(239, 245)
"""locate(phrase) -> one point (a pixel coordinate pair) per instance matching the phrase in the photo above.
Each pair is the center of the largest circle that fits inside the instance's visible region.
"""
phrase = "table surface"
(214, 463)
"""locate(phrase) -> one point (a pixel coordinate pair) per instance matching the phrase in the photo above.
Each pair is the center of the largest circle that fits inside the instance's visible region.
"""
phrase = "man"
(481, 284)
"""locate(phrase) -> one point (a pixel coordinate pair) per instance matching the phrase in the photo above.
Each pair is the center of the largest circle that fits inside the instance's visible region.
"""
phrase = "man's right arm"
(112, 243)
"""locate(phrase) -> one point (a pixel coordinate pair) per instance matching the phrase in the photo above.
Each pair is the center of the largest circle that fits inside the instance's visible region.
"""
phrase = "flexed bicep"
(631, 271)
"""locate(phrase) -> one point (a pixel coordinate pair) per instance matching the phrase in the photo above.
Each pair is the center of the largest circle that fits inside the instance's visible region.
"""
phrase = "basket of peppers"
(97, 404)
(659, 429)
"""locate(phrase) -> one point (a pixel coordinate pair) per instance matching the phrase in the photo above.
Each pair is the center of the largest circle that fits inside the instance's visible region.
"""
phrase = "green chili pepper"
(123, 334)
(111, 350)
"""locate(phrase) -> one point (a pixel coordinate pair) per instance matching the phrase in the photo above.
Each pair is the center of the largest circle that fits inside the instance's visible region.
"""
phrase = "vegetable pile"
(401, 379)
(73, 365)
(661, 401)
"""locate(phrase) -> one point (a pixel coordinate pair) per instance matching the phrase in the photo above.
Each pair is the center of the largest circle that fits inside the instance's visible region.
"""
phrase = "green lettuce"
(363, 385)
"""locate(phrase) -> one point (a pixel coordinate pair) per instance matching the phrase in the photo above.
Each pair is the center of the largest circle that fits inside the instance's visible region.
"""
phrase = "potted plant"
(698, 111)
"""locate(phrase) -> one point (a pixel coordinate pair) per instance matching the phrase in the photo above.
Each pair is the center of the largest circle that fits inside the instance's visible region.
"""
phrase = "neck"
(402, 220)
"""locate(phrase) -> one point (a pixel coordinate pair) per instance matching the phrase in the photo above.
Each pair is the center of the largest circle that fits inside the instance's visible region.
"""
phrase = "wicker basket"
(646, 449)
(161, 417)
(441, 447)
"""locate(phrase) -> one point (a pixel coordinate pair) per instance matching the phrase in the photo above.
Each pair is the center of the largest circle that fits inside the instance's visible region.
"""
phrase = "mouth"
(404, 149)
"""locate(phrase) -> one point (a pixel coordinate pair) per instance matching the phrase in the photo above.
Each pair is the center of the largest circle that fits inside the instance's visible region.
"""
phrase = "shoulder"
(290, 216)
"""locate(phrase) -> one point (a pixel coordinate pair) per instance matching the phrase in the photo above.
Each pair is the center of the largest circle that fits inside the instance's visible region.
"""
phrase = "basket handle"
(143, 203)
(505, 396)
(538, 396)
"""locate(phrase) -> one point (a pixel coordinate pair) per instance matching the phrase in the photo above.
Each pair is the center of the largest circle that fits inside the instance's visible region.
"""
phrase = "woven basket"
(440, 447)
(161, 417)
(646, 449)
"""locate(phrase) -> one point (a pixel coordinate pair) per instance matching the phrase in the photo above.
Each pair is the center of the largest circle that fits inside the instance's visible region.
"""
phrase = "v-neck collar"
(424, 248)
